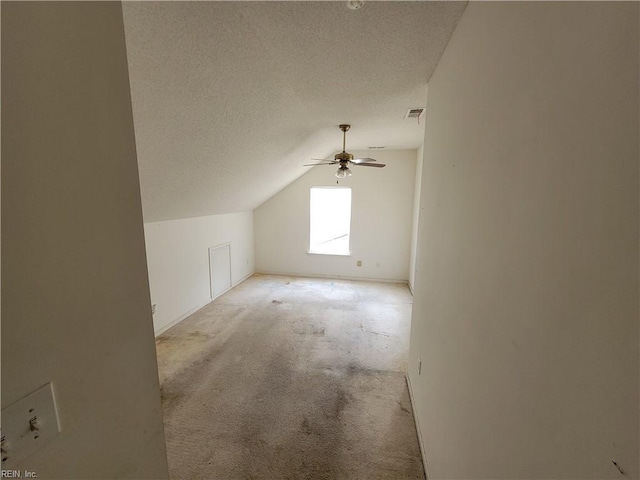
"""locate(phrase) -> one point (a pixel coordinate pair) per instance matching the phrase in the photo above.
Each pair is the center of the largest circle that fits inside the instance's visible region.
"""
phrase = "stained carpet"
(291, 378)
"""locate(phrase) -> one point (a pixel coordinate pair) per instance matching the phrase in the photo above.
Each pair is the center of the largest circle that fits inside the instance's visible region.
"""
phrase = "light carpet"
(291, 378)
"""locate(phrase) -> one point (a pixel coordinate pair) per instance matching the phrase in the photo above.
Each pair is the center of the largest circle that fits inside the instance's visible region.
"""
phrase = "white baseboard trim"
(335, 277)
(243, 279)
(418, 429)
(173, 323)
(166, 327)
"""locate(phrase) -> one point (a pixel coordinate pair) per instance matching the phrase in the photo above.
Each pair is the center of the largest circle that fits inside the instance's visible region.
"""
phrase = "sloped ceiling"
(231, 98)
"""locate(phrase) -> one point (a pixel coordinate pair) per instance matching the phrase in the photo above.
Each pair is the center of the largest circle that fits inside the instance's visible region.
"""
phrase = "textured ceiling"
(231, 98)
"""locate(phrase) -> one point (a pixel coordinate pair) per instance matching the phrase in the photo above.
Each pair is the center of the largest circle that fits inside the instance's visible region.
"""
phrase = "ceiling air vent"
(414, 113)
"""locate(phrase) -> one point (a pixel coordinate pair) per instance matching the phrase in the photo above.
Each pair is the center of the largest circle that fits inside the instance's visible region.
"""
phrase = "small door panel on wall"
(220, 269)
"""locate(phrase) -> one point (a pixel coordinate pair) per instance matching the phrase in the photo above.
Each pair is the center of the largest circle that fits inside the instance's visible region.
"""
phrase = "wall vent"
(414, 113)
(376, 148)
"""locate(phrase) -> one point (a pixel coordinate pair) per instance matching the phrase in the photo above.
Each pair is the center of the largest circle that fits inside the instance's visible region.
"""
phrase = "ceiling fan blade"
(367, 164)
(362, 160)
(321, 163)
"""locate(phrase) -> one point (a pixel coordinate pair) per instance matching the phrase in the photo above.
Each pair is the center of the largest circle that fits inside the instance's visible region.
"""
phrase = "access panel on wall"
(220, 269)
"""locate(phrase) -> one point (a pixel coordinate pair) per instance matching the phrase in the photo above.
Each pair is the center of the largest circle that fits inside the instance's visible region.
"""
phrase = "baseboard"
(410, 288)
(243, 279)
(418, 429)
(335, 277)
(173, 323)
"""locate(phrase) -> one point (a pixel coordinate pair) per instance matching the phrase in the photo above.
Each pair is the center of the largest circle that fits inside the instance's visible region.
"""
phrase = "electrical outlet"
(419, 366)
(27, 425)
(359, 263)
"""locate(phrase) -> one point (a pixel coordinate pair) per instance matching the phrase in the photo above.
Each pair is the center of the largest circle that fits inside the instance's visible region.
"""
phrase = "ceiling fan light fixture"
(355, 4)
(343, 172)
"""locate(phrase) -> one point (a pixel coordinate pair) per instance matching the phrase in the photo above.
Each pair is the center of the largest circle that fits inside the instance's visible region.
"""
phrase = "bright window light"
(330, 220)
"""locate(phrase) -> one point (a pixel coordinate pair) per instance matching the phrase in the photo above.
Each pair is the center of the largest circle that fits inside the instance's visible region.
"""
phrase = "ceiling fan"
(344, 158)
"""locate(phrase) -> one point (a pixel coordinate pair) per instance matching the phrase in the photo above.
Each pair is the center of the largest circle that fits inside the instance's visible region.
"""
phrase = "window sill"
(330, 254)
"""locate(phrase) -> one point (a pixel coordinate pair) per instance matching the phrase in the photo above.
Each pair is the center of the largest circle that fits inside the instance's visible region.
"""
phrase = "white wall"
(178, 258)
(415, 221)
(381, 214)
(75, 296)
(526, 303)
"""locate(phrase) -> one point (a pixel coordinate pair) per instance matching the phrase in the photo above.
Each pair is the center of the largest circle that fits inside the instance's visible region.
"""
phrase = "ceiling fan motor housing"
(343, 157)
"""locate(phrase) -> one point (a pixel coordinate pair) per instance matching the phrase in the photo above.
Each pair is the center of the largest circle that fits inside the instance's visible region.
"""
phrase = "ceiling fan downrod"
(345, 128)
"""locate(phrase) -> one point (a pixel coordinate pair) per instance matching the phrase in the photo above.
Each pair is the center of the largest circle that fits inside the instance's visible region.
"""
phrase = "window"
(330, 216)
